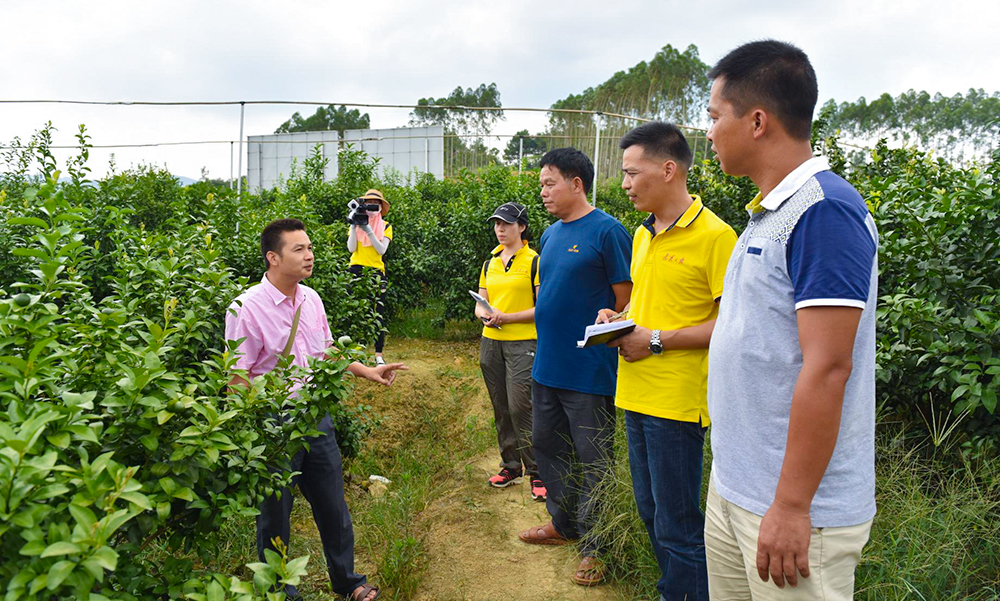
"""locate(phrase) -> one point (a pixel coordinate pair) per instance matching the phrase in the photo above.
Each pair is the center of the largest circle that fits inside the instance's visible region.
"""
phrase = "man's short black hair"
(774, 75)
(661, 141)
(270, 238)
(571, 163)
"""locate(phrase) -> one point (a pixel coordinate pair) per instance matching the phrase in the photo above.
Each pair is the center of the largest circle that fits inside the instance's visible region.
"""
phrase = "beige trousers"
(731, 551)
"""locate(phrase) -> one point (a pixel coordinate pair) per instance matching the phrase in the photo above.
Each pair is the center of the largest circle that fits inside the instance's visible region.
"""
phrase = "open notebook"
(602, 333)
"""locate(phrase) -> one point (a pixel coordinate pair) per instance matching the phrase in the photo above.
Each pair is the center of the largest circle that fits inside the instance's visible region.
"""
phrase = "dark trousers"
(665, 459)
(506, 366)
(572, 435)
(322, 484)
(379, 305)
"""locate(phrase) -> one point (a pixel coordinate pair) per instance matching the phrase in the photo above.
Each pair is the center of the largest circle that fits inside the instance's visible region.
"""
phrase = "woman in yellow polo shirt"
(367, 244)
(509, 282)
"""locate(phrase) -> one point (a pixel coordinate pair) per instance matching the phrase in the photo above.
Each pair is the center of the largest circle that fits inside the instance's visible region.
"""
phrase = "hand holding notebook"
(602, 333)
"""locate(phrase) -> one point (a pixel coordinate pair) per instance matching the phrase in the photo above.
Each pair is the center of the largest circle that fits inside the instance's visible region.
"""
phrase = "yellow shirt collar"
(692, 212)
(499, 249)
(686, 218)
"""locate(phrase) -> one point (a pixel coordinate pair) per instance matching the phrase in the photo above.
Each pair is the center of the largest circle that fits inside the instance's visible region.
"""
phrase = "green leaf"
(33, 548)
(263, 575)
(168, 485)
(60, 439)
(85, 433)
(989, 399)
(137, 498)
(83, 516)
(183, 493)
(84, 400)
(35, 221)
(106, 557)
(61, 548)
(215, 592)
(150, 442)
(94, 568)
(114, 521)
(297, 566)
(58, 573)
(958, 392)
(36, 253)
(50, 491)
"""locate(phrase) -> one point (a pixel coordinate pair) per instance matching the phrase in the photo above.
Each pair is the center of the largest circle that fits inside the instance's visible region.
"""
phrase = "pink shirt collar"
(277, 295)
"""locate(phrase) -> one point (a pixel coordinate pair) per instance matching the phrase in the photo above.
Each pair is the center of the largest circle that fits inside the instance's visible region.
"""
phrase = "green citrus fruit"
(345, 341)
(22, 300)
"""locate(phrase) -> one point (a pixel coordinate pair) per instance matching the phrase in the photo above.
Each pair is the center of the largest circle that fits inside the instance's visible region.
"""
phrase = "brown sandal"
(590, 572)
(362, 593)
(543, 535)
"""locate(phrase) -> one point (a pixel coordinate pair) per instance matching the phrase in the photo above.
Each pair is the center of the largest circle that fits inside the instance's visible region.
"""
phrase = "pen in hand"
(613, 317)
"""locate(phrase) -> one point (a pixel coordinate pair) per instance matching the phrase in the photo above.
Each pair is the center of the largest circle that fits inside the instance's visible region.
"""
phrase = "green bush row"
(939, 257)
(116, 426)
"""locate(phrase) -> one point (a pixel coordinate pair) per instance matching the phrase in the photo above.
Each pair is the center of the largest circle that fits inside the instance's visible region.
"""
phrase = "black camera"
(358, 213)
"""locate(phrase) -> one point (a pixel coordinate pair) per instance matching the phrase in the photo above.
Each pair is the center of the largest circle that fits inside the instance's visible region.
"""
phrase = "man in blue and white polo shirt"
(791, 376)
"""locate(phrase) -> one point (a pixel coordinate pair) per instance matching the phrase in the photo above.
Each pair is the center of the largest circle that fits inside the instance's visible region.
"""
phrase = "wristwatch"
(654, 343)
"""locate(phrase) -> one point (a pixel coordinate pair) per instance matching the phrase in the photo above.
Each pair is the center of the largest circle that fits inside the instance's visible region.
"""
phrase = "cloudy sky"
(397, 52)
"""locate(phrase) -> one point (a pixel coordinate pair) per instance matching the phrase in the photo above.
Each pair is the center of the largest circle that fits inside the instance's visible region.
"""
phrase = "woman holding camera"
(509, 283)
(367, 244)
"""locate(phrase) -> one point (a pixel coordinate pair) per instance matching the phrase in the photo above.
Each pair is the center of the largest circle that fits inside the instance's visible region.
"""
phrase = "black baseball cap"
(511, 212)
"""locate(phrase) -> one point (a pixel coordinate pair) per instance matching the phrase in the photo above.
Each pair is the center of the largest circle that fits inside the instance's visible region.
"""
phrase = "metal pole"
(597, 154)
(231, 165)
(520, 155)
(427, 155)
(239, 172)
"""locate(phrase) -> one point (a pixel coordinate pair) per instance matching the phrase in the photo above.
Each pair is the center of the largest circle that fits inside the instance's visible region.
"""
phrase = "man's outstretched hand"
(382, 374)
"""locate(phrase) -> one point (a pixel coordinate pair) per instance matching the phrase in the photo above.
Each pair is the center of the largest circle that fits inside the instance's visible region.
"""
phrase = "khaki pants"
(731, 551)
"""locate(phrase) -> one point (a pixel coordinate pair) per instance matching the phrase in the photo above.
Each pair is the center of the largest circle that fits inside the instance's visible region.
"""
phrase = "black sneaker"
(505, 478)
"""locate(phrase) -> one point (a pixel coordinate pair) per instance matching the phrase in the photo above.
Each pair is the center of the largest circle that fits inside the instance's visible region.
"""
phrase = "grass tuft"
(936, 535)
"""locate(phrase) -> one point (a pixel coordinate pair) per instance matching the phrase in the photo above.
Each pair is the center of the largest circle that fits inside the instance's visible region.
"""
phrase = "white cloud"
(397, 52)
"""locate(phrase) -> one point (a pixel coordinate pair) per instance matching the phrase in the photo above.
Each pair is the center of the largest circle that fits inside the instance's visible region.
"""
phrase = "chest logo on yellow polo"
(673, 258)
(573, 249)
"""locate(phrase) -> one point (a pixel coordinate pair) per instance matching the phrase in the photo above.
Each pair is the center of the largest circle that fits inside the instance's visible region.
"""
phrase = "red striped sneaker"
(538, 491)
(505, 478)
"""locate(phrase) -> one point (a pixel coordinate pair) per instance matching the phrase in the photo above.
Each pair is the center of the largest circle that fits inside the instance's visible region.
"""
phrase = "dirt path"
(472, 547)
(475, 554)
(469, 548)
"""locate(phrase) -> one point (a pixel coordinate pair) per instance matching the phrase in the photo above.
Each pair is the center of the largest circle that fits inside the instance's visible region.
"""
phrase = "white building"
(404, 149)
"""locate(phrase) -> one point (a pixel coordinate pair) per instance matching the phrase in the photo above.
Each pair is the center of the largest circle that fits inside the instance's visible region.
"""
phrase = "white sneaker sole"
(506, 484)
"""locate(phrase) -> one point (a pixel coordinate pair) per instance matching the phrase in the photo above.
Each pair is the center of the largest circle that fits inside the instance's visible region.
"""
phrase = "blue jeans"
(665, 458)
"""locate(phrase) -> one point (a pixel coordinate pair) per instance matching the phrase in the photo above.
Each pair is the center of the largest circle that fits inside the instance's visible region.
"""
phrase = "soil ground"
(475, 553)
(468, 531)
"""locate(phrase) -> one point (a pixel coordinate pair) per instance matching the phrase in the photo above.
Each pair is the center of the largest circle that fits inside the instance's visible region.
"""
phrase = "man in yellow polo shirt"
(679, 257)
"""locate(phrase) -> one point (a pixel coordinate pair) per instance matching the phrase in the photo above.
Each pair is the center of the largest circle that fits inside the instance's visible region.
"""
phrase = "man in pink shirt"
(262, 316)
